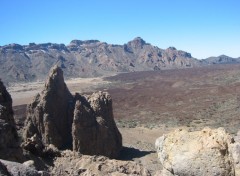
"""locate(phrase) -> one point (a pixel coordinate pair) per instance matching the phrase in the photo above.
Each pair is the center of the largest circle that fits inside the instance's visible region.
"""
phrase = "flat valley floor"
(148, 104)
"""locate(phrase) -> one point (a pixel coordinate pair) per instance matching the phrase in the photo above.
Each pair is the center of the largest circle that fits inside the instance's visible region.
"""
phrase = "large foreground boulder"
(206, 152)
(82, 123)
(8, 133)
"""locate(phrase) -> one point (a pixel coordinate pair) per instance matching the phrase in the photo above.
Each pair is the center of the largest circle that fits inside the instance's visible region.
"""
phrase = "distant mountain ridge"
(92, 58)
(222, 59)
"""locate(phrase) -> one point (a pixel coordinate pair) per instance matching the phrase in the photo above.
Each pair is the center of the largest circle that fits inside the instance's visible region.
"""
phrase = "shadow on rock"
(129, 153)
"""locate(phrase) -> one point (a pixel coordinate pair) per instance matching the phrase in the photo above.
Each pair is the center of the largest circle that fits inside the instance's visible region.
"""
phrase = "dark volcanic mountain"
(88, 58)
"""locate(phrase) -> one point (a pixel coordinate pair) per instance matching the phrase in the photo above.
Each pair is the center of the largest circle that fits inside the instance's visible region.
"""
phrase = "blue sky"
(202, 27)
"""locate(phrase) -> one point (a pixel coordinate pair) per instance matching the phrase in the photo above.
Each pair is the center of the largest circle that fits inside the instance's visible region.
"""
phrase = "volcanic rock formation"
(8, 133)
(206, 152)
(94, 127)
(52, 119)
(49, 115)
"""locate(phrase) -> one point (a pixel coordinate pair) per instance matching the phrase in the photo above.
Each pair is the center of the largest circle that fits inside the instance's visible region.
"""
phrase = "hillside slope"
(88, 58)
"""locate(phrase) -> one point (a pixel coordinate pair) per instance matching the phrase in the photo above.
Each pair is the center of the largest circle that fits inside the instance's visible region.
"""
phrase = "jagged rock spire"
(8, 133)
(84, 123)
(49, 115)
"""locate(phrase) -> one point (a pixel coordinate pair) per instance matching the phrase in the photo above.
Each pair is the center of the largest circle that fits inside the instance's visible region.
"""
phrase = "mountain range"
(91, 58)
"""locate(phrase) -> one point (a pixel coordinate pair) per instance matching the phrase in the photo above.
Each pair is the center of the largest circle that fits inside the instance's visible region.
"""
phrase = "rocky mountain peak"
(13, 46)
(46, 47)
(171, 48)
(223, 56)
(222, 59)
(139, 39)
(76, 42)
(90, 41)
(137, 42)
(81, 42)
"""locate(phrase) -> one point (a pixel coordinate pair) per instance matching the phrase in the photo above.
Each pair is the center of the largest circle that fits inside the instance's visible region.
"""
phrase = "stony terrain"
(194, 98)
(205, 152)
(71, 163)
(147, 105)
(92, 58)
(57, 120)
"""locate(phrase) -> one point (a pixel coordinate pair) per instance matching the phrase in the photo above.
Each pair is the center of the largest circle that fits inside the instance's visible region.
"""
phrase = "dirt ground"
(148, 104)
(23, 93)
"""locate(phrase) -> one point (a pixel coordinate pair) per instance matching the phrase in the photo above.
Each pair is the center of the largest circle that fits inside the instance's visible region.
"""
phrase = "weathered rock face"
(52, 119)
(205, 152)
(235, 149)
(50, 113)
(94, 130)
(8, 133)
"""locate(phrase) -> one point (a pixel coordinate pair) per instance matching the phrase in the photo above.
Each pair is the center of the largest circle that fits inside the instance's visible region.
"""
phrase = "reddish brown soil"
(194, 98)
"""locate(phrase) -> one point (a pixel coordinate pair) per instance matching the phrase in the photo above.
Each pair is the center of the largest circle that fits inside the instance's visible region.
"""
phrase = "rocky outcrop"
(94, 130)
(206, 152)
(49, 115)
(8, 133)
(235, 149)
(18, 169)
(72, 163)
(84, 123)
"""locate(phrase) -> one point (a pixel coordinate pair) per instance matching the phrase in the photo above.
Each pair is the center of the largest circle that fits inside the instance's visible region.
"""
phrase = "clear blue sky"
(202, 27)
